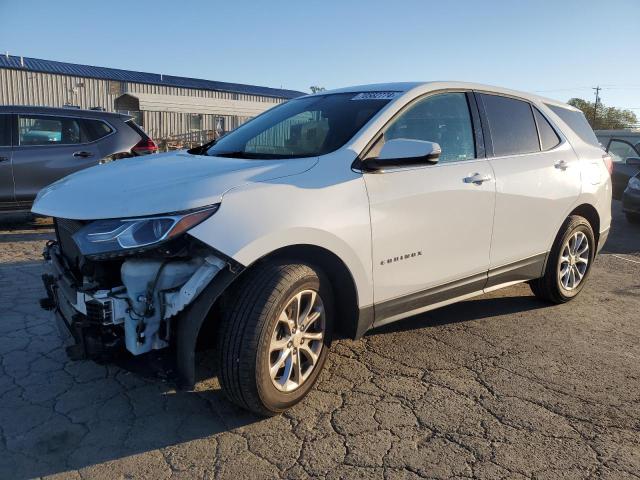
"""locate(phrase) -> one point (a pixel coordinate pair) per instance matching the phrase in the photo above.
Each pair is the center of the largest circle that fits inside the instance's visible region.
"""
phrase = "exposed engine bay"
(126, 301)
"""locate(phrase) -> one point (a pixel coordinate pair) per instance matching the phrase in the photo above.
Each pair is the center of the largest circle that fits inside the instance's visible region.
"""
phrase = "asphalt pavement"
(501, 386)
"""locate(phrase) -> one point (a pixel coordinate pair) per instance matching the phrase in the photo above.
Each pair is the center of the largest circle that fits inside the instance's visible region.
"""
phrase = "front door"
(7, 197)
(49, 148)
(431, 225)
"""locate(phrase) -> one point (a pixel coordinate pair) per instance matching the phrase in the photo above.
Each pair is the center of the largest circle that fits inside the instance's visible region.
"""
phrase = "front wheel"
(275, 337)
(569, 262)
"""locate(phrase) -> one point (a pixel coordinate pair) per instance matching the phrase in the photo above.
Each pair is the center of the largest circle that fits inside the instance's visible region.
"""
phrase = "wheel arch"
(342, 282)
(592, 216)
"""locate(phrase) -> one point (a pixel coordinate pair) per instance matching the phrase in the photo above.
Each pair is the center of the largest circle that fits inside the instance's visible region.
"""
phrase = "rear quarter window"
(548, 136)
(576, 121)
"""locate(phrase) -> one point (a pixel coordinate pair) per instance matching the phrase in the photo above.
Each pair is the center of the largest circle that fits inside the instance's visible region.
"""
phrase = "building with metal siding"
(165, 105)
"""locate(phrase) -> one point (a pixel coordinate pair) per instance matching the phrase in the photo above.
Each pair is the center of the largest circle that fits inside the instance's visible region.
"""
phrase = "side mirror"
(402, 152)
(633, 161)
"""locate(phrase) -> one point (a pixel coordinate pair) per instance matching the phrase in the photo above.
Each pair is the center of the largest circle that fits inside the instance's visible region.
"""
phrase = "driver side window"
(444, 119)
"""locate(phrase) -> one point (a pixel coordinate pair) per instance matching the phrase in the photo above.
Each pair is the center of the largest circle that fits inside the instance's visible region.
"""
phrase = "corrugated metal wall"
(20, 87)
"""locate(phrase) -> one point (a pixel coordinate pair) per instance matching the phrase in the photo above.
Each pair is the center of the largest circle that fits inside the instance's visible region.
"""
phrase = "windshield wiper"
(202, 149)
(236, 154)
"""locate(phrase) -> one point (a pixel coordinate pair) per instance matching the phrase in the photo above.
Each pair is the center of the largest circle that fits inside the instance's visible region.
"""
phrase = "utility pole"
(595, 105)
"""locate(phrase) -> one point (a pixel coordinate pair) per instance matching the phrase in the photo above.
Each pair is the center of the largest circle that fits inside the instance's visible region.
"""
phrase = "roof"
(437, 85)
(75, 112)
(63, 68)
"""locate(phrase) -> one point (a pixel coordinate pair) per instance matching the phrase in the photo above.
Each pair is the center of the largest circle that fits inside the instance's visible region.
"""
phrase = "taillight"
(144, 147)
(608, 162)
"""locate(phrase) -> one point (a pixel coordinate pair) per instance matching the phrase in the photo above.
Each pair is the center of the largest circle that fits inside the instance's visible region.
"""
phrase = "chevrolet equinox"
(333, 213)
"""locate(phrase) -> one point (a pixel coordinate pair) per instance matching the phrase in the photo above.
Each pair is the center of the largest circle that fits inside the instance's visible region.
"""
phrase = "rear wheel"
(274, 341)
(569, 262)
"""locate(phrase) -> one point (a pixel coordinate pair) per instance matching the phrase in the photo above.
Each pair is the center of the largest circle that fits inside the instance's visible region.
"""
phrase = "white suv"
(332, 213)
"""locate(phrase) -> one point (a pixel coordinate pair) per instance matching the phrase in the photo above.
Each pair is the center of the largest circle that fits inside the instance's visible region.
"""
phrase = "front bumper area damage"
(137, 303)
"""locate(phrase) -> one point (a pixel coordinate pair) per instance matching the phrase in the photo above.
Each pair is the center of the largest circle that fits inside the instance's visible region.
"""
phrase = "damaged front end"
(139, 298)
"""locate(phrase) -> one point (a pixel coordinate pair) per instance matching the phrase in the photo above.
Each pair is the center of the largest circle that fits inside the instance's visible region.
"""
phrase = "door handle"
(561, 165)
(477, 179)
(83, 154)
(4, 159)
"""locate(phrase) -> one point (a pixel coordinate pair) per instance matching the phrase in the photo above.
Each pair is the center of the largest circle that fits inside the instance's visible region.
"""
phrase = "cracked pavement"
(501, 386)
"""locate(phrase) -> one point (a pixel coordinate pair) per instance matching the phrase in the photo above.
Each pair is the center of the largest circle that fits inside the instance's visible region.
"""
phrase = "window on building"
(46, 130)
(443, 119)
(137, 115)
(548, 136)
(220, 126)
(195, 121)
(513, 129)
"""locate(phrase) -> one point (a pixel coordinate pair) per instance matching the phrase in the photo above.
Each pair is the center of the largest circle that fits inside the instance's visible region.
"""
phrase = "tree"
(316, 89)
(605, 118)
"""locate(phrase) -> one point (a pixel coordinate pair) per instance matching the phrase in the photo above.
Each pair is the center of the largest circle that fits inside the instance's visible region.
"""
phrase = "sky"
(560, 49)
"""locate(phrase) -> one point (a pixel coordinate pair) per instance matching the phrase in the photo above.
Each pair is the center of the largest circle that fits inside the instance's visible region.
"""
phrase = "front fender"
(257, 219)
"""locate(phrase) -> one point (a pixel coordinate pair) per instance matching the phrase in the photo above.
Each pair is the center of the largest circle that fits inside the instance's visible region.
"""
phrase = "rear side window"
(513, 129)
(96, 129)
(47, 130)
(5, 130)
(548, 136)
(576, 121)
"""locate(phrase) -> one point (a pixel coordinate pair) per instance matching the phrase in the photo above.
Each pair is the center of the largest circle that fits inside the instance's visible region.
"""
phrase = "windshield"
(305, 127)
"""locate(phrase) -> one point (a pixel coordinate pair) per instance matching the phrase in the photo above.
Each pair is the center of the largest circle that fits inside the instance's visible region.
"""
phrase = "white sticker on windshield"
(376, 96)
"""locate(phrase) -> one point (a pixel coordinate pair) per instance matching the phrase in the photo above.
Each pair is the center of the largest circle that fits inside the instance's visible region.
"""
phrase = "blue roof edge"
(115, 74)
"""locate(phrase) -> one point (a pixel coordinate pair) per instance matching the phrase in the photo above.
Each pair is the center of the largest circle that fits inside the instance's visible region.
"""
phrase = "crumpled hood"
(155, 184)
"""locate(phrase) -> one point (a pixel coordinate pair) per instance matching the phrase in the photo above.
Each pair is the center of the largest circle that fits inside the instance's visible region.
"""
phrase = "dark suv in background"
(39, 145)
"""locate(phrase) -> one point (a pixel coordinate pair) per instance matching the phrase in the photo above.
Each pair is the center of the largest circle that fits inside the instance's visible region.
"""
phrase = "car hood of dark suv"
(156, 184)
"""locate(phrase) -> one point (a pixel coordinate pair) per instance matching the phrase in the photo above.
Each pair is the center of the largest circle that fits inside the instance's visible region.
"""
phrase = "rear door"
(49, 148)
(537, 181)
(7, 197)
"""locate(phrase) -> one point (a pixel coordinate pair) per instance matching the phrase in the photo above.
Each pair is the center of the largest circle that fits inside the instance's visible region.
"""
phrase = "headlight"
(634, 183)
(108, 237)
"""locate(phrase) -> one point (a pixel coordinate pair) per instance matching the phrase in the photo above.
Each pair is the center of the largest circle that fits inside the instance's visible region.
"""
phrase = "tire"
(254, 322)
(633, 217)
(550, 287)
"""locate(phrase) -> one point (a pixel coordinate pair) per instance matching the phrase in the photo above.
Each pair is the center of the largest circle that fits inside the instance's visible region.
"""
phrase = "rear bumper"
(631, 201)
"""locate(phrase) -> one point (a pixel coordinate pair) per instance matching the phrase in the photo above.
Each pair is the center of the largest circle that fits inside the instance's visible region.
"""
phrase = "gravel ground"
(501, 386)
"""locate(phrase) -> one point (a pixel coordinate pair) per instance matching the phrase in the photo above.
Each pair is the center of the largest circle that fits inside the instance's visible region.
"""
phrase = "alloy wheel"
(297, 341)
(574, 261)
